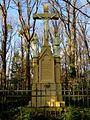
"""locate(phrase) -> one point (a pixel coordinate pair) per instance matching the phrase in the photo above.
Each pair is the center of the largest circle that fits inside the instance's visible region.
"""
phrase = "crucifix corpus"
(46, 16)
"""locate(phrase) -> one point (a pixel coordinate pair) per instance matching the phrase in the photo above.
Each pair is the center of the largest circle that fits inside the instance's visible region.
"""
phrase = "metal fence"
(41, 94)
(76, 95)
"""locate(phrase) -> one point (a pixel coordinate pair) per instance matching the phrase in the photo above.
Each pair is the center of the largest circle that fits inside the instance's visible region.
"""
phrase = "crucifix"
(46, 16)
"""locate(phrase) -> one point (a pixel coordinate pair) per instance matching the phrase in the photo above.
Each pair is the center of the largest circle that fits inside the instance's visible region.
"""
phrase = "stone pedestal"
(46, 86)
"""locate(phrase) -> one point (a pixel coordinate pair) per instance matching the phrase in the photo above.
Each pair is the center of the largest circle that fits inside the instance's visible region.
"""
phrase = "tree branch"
(76, 8)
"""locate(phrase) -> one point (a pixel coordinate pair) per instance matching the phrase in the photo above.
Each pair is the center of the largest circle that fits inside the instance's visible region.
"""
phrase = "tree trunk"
(28, 66)
(4, 40)
(73, 74)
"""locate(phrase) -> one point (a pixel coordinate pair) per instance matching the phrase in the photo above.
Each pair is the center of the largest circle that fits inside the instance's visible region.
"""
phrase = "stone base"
(57, 104)
(44, 95)
(51, 103)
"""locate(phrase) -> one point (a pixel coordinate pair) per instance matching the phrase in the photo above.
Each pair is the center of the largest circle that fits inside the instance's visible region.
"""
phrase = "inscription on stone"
(46, 66)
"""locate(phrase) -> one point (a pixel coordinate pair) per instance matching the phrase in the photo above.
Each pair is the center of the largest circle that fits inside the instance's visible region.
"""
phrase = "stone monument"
(46, 86)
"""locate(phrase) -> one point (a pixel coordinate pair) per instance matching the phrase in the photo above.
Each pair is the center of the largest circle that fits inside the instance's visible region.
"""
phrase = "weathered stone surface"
(46, 67)
(46, 84)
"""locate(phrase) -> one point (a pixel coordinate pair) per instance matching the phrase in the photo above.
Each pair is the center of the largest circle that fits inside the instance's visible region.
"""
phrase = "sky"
(13, 15)
(82, 1)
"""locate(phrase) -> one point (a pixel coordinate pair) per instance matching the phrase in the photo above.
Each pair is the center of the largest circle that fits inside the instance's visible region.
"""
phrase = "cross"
(46, 16)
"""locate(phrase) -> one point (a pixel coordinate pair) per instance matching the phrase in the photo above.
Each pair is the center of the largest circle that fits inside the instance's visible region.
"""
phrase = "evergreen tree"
(16, 69)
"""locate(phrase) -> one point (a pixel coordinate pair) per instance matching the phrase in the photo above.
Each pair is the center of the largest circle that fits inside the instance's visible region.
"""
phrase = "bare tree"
(4, 8)
(26, 27)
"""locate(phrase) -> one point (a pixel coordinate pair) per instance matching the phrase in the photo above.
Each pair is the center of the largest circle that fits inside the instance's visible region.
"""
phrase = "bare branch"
(88, 1)
(8, 4)
(34, 20)
(76, 8)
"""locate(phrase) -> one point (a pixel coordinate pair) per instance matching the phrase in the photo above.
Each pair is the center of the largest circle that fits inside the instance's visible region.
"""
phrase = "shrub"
(26, 113)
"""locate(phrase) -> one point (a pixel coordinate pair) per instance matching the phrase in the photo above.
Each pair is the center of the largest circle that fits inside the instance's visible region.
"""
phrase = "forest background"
(21, 38)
